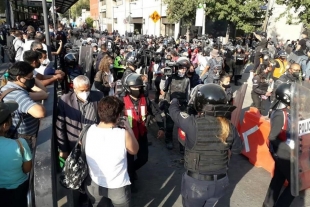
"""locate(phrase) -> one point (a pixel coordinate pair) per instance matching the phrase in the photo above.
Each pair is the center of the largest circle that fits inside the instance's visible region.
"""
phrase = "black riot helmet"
(209, 94)
(70, 59)
(183, 62)
(131, 61)
(211, 99)
(132, 80)
(283, 96)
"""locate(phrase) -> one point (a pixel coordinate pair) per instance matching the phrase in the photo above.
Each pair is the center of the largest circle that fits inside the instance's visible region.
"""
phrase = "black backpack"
(2, 95)
(11, 52)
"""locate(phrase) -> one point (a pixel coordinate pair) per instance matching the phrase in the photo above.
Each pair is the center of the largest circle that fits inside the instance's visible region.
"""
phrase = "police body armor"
(178, 89)
(209, 154)
(240, 58)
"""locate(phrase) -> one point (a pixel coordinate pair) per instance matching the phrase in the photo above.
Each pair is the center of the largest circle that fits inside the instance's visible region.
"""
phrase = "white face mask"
(46, 62)
(181, 74)
(51, 30)
(83, 95)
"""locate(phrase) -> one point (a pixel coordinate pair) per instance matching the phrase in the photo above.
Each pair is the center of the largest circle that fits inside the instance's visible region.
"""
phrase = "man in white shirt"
(203, 58)
(18, 45)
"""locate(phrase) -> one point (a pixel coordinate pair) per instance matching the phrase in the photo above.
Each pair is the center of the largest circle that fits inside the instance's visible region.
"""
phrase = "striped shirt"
(89, 115)
(29, 124)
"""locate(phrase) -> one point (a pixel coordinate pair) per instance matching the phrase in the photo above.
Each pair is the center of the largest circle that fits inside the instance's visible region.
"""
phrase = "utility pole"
(267, 16)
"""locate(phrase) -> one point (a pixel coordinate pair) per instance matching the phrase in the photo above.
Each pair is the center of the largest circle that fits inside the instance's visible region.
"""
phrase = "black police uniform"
(175, 87)
(281, 154)
(259, 88)
(206, 157)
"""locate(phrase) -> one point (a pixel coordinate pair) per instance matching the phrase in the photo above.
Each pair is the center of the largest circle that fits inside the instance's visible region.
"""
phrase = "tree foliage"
(301, 11)
(76, 9)
(241, 13)
(89, 22)
(2, 6)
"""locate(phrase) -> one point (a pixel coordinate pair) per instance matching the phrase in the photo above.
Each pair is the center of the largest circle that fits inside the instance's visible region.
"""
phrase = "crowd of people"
(193, 92)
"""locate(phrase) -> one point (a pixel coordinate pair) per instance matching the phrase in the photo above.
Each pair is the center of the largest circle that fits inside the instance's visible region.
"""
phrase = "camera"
(170, 68)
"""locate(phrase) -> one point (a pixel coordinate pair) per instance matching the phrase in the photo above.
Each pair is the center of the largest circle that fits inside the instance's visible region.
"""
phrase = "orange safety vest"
(136, 118)
(281, 70)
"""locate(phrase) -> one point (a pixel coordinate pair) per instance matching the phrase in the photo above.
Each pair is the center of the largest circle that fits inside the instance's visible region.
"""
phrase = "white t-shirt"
(27, 46)
(106, 156)
(18, 46)
(202, 60)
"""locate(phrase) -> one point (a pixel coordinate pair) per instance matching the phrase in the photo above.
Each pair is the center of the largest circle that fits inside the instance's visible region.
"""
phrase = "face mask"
(46, 62)
(111, 66)
(135, 93)
(226, 85)
(181, 74)
(51, 30)
(29, 83)
(83, 95)
(295, 74)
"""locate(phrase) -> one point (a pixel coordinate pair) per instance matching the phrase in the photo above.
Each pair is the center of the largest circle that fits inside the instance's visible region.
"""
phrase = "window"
(103, 14)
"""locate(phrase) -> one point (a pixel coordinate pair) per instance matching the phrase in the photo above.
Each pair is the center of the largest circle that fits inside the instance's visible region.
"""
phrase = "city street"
(159, 181)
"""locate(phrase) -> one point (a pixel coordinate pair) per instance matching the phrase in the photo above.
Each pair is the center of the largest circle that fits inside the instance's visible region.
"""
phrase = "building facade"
(134, 16)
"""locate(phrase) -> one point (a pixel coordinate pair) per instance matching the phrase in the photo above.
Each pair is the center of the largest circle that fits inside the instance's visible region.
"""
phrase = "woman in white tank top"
(106, 153)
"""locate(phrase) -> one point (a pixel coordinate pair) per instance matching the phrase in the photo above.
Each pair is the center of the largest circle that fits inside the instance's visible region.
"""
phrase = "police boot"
(236, 80)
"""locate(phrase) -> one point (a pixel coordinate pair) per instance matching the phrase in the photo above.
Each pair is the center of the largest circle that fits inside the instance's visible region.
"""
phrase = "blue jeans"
(202, 193)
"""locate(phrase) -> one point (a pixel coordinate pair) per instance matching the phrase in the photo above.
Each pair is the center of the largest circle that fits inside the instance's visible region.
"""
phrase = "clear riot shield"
(238, 102)
(300, 133)
(87, 69)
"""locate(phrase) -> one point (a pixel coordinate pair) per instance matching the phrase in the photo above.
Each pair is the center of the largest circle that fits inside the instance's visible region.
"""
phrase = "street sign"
(155, 16)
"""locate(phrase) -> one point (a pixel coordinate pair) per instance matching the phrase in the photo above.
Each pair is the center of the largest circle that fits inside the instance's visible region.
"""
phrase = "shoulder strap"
(21, 148)
(82, 139)
(6, 92)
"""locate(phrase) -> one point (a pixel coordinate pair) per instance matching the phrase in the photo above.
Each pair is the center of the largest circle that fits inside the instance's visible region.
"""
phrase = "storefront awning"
(64, 5)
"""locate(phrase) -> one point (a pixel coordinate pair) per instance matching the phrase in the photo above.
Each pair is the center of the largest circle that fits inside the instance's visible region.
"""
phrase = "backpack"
(217, 65)
(76, 169)
(2, 95)
(11, 52)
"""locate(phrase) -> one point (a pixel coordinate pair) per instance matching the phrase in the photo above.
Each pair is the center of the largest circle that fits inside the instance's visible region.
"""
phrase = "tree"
(89, 22)
(76, 9)
(300, 7)
(2, 6)
(241, 13)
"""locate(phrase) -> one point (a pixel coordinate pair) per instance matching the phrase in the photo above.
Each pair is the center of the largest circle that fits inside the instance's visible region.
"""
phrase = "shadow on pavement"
(159, 181)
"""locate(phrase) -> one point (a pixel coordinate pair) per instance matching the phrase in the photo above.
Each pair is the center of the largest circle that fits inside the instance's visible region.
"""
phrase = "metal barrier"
(44, 186)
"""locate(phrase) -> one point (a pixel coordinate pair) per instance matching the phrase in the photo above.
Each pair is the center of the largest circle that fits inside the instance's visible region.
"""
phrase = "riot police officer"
(176, 86)
(280, 145)
(137, 108)
(209, 138)
(260, 89)
(240, 60)
(130, 68)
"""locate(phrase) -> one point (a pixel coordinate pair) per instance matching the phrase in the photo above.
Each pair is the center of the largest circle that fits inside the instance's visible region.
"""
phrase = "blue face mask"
(111, 66)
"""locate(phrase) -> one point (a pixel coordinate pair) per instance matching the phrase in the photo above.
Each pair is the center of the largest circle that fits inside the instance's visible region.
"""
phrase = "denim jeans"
(104, 197)
(202, 193)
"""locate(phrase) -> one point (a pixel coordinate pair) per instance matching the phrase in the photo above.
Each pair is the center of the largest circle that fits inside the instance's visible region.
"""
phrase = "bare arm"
(205, 70)
(257, 36)
(37, 111)
(27, 166)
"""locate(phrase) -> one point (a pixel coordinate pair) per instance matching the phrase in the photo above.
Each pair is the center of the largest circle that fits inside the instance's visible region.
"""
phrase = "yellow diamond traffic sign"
(155, 16)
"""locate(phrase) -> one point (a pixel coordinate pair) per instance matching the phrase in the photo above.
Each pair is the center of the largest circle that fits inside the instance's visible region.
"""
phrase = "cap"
(6, 108)
(94, 45)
